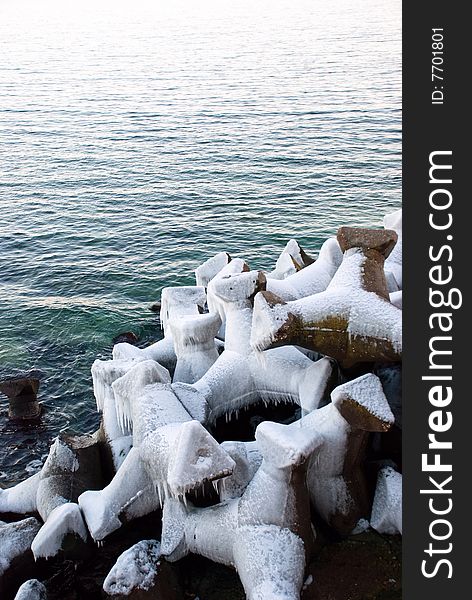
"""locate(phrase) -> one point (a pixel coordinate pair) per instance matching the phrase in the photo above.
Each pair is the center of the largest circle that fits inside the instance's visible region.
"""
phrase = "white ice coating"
(161, 351)
(312, 279)
(248, 459)
(65, 518)
(265, 541)
(387, 507)
(233, 294)
(289, 261)
(181, 301)
(130, 494)
(236, 266)
(15, 540)
(393, 263)
(366, 391)
(31, 590)
(210, 268)
(135, 569)
(396, 298)
(194, 345)
(104, 373)
(171, 455)
(368, 315)
(20, 498)
(236, 381)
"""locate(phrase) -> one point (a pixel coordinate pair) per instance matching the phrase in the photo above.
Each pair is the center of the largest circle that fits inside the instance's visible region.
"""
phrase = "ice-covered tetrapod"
(387, 507)
(352, 320)
(72, 466)
(194, 345)
(291, 260)
(176, 302)
(267, 533)
(15, 541)
(393, 263)
(104, 373)
(313, 279)
(336, 479)
(233, 294)
(210, 268)
(237, 381)
(171, 454)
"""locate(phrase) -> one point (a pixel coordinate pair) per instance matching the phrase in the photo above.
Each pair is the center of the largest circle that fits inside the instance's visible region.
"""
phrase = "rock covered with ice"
(387, 507)
(172, 453)
(136, 568)
(238, 381)
(194, 345)
(210, 268)
(32, 590)
(282, 332)
(291, 260)
(232, 295)
(352, 321)
(15, 540)
(312, 279)
(266, 534)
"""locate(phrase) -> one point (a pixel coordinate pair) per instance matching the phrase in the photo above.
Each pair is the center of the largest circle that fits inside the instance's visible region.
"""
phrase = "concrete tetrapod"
(352, 321)
(266, 534)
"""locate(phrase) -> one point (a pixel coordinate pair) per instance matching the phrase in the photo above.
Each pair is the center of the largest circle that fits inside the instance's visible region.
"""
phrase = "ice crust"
(65, 518)
(135, 569)
(15, 540)
(387, 507)
(312, 279)
(368, 315)
(31, 590)
(210, 268)
(266, 542)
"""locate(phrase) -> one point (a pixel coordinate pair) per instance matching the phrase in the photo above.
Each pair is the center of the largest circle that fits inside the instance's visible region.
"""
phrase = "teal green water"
(138, 139)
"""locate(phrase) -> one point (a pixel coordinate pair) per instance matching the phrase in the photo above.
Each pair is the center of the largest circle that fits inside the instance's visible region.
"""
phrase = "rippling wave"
(137, 139)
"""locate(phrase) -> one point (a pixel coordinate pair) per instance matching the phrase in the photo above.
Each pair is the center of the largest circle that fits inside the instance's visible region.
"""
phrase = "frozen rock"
(336, 481)
(21, 391)
(136, 568)
(233, 294)
(15, 540)
(266, 534)
(32, 590)
(62, 520)
(161, 351)
(291, 260)
(393, 263)
(176, 303)
(247, 459)
(20, 498)
(352, 321)
(72, 466)
(236, 381)
(236, 266)
(314, 278)
(104, 373)
(387, 507)
(210, 268)
(172, 453)
(194, 345)
(181, 301)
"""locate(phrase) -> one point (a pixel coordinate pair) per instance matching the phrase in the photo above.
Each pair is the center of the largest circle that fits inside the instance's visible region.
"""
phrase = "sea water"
(139, 138)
